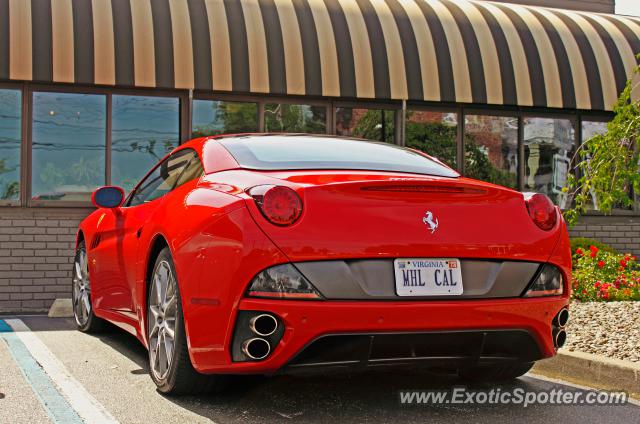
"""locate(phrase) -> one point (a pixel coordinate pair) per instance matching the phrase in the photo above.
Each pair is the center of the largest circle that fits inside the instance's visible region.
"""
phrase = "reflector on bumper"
(283, 282)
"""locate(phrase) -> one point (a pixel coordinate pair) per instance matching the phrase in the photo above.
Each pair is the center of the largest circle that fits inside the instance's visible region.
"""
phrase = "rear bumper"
(436, 348)
(309, 321)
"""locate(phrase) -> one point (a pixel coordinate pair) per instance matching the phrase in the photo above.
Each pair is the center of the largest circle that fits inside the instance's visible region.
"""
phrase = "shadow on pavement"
(371, 396)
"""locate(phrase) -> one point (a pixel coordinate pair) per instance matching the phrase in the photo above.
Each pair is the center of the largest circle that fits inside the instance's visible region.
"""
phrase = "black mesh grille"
(380, 349)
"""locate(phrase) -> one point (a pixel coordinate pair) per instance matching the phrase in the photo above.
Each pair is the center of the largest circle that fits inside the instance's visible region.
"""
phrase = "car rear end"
(387, 268)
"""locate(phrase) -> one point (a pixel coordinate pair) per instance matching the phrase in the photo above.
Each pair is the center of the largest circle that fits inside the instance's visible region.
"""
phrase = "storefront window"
(372, 124)
(592, 128)
(143, 130)
(68, 145)
(548, 150)
(491, 149)
(10, 136)
(212, 117)
(589, 130)
(434, 133)
(282, 117)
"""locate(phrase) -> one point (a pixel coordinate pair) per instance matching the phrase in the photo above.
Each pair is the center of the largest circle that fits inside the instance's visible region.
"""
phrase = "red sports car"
(262, 254)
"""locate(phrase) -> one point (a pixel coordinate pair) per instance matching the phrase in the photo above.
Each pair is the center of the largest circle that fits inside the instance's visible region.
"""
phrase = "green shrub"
(599, 275)
(585, 243)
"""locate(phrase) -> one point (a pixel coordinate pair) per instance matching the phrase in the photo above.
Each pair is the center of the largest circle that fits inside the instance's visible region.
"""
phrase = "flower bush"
(599, 275)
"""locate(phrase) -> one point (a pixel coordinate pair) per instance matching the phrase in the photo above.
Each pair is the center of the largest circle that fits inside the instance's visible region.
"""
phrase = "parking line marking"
(81, 402)
(56, 406)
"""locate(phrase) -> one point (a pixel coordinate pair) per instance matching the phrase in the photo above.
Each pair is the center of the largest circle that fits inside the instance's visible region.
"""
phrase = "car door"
(139, 210)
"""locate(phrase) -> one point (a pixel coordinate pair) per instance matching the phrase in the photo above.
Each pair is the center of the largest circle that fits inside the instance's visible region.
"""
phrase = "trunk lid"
(382, 214)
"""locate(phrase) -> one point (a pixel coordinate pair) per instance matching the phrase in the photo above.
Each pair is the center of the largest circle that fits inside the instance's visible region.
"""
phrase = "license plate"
(428, 277)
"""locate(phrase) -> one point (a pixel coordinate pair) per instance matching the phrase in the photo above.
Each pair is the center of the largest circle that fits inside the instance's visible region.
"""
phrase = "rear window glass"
(271, 153)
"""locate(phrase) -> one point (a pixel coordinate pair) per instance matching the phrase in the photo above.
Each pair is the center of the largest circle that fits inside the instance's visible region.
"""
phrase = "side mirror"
(108, 197)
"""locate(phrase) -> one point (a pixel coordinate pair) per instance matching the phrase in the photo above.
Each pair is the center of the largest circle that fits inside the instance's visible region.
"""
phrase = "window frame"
(108, 92)
(30, 201)
(262, 100)
(229, 99)
(137, 93)
(330, 103)
(393, 106)
(21, 150)
(520, 171)
(573, 118)
(459, 111)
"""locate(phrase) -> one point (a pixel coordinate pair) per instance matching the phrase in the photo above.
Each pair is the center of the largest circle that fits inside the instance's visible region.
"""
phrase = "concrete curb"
(592, 370)
(61, 308)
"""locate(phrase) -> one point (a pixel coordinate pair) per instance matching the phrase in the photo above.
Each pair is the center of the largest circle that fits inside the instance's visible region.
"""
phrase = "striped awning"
(433, 50)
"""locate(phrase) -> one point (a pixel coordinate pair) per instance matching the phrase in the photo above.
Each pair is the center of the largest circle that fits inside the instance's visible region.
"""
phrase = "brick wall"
(37, 247)
(36, 253)
(620, 232)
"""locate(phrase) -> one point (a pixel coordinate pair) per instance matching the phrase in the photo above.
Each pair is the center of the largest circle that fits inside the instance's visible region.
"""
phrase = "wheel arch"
(79, 237)
(157, 244)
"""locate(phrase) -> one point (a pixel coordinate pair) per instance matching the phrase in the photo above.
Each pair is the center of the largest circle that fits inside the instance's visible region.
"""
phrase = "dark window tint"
(301, 152)
(166, 176)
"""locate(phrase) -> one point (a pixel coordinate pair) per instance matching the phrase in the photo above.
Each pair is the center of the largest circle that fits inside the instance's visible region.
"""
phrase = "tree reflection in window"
(372, 124)
(548, 149)
(143, 131)
(10, 137)
(213, 117)
(434, 133)
(279, 117)
(68, 146)
(491, 149)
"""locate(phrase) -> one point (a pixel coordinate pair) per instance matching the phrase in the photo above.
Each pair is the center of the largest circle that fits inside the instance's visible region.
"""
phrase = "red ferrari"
(264, 254)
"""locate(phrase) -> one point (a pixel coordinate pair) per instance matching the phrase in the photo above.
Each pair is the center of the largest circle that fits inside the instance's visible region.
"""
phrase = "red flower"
(600, 264)
(579, 251)
(605, 295)
(623, 263)
(597, 284)
(593, 254)
(593, 249)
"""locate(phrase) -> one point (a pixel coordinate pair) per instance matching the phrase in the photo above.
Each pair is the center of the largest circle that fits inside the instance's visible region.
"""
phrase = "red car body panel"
(219, 241)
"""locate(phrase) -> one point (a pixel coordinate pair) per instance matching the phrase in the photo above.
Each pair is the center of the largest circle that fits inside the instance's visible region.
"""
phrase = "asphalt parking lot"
(105, 378)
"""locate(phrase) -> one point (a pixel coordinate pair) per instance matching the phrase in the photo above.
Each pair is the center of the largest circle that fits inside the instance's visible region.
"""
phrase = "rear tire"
(86, 320)
(495, 373)
(169, 364)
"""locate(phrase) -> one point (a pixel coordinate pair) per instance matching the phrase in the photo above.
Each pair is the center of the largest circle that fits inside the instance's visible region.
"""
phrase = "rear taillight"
(541, 210)
(279, 204)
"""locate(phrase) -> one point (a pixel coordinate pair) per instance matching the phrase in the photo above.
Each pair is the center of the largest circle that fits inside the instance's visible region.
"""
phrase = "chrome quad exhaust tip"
(256, 348)
(263, 325)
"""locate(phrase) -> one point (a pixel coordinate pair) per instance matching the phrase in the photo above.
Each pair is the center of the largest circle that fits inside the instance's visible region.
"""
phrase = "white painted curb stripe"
(89, 409)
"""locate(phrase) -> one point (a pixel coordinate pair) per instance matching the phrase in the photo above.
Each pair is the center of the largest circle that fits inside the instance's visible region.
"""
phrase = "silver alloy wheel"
(81, 289)
(163, 309)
